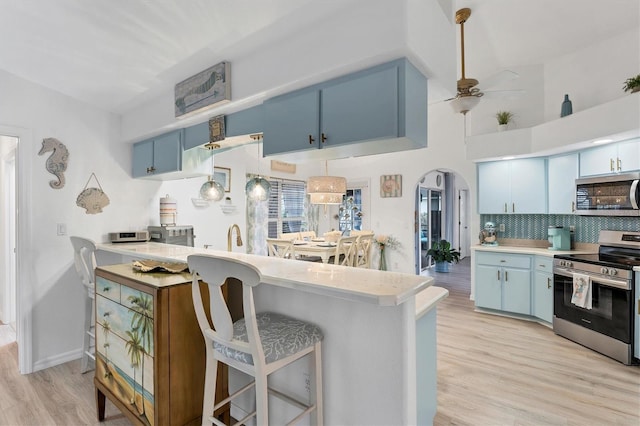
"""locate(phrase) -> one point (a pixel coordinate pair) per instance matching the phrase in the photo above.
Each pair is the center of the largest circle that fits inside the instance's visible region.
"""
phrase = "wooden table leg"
(100, 404)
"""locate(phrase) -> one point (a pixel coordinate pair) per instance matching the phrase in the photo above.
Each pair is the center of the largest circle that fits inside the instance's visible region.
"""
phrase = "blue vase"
(567, 108)
(442, 266)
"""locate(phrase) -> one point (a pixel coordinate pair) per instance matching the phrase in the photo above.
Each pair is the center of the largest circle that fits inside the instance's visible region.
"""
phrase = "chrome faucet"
(238, 239)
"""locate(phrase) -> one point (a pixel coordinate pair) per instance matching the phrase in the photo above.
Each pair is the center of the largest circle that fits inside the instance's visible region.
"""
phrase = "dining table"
(315, 247)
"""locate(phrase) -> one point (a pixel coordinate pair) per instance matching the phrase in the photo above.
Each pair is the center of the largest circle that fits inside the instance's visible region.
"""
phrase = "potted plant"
(443, 254)
(504, 118)
(632, 84)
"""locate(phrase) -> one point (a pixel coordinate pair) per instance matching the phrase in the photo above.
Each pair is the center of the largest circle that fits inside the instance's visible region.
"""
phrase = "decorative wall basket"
(92, 199)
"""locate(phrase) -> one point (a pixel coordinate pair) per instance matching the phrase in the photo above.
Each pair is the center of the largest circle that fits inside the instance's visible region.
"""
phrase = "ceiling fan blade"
(498, 78)
(503, 94)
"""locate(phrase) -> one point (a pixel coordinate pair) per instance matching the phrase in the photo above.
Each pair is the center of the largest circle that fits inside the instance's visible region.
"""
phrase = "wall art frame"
(222, 175)
(390, 186)
(203, 90)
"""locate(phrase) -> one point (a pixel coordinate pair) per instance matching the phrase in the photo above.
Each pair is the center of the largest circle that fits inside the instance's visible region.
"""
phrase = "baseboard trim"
(57, 360)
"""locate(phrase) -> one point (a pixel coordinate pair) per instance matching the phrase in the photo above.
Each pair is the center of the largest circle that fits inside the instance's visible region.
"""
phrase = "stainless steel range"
(602, 321)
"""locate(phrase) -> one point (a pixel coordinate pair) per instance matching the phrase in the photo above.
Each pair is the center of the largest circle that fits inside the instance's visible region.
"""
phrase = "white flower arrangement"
(387, 241)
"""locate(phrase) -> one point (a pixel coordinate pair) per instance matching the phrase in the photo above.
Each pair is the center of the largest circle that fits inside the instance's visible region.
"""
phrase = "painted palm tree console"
(149, 348)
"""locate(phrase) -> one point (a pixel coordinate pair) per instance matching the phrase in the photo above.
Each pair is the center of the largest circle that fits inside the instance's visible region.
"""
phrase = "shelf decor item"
(203, 90)
(567, 108)
(632, 84)
(504, 118)
(57, 161)
(443, 254)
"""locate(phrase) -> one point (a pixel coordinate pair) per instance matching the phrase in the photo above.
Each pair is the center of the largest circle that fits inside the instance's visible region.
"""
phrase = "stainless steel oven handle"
(607, 282)
(632, 194)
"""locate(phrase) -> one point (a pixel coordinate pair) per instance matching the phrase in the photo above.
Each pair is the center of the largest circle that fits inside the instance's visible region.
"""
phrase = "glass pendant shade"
(463, 104)
(326, 189)
(212, 190)
(258, 189)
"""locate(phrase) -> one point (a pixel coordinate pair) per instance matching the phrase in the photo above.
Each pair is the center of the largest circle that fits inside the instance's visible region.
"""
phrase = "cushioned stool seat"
(281, 337)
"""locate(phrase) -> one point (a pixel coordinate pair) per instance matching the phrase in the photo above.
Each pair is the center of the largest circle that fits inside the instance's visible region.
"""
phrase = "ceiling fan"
(469, 94)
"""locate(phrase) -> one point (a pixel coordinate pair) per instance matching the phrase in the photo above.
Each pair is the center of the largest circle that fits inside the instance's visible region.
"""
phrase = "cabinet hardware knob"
(542, 266)
(106, 314)
(151, 169)
(611, 164)
(498, 274)
(506, 276)
(548, 282)
(502, 260)
(619, 164)
(106, 289)
(573, 207)
(322, 137)
(513, 207)
(505, 207)
(311, 140)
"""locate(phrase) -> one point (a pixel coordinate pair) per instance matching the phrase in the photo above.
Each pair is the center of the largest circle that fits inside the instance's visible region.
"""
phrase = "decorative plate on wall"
(390, 186)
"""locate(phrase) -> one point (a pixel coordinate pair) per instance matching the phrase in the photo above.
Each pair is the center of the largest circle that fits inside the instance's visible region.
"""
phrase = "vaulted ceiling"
(115, 54)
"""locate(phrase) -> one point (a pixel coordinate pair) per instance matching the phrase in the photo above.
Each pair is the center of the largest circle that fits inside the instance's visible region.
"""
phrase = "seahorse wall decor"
(57, 161)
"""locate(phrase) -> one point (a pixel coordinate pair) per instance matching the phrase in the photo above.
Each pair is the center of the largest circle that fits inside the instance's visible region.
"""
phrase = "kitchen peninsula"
(379, 351)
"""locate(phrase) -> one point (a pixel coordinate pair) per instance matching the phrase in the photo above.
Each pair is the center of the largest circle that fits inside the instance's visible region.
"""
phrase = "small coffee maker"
(559, 238)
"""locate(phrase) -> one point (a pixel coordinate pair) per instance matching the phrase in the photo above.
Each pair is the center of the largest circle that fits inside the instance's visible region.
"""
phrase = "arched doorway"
(442, 212)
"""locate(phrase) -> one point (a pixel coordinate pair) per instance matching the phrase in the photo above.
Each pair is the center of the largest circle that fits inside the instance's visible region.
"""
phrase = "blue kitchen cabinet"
(612, 158)
(381, 103)
(563, 171)
(245, 122)
(158, 155)
(292, 122)
(503, 282)
(516, 186)
(543, 289)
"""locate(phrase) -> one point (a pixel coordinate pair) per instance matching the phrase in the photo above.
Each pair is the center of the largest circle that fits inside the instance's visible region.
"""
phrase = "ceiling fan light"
(464, 104)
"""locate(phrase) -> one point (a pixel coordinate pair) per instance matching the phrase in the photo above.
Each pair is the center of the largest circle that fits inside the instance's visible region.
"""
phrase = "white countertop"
(357, 284)
(538, 251)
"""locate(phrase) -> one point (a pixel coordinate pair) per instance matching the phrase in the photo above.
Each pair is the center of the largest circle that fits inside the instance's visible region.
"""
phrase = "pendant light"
(211, 190)
(326, 189)
(258, 188)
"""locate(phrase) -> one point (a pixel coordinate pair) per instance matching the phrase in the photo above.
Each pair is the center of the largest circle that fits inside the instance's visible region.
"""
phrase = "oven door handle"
(606, 282)
(633, 192)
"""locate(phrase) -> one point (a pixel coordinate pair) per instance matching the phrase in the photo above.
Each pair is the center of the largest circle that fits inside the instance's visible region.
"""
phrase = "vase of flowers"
(385, 241)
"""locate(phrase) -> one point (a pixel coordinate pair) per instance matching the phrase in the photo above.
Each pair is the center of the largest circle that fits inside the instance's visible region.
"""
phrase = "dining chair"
(307, 234)
(279, 247)
(85, 263)
(346, 250)
(360, 232)
(363, 252)
(257, 345)
(289, 236)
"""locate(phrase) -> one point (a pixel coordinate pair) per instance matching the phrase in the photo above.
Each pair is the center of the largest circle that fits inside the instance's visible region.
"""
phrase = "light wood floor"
(495, 370)
(491, 371)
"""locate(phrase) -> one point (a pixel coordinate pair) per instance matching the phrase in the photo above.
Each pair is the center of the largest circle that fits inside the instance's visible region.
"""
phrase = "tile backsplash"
(534, 226)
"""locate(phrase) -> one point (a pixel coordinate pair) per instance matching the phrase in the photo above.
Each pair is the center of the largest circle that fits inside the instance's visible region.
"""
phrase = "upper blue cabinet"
(238, 127)
(352, 115)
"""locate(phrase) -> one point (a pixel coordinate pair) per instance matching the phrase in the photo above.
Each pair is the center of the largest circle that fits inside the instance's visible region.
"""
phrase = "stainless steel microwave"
(615, 195)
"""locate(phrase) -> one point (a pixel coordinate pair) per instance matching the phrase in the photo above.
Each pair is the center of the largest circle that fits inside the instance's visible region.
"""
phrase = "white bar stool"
(257, 345)
(85, 262)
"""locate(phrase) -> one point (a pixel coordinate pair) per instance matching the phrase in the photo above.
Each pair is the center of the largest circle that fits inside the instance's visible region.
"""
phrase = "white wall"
(593, 75)
(92, 137)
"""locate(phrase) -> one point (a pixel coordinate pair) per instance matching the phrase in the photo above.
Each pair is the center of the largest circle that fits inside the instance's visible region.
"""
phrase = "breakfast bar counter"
(379, 349)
